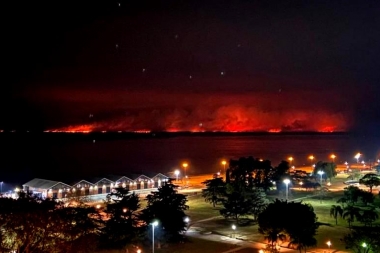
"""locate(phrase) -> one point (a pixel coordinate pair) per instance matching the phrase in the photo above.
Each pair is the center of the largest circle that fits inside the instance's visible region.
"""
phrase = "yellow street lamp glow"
(328, 243)
(185, 165)
(224, 165)
(290, 160)
(311, 157)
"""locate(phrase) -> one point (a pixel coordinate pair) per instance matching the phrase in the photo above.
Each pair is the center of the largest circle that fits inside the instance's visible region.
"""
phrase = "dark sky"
(191, 65)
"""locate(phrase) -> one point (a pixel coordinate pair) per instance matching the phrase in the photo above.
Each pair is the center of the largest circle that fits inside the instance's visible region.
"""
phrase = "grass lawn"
(199, 209)
(194, 245)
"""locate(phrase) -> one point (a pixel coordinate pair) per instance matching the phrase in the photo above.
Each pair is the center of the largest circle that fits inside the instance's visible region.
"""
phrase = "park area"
(210, 232)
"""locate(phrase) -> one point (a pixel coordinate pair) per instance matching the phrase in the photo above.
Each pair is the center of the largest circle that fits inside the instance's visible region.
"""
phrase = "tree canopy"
(328, 168)
(122, 225)
(363, 239)
(370, 180)
(215, 191)
(168, 207)
(296, 220)
(31, 224)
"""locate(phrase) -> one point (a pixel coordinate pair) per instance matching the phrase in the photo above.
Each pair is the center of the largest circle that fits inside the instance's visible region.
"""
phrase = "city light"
(321, 173)
(291, 160)
(224, 165)
(176, 172)
(333, 157)
(233, 229)
(357, 156)
(311, 159)
(154, 224)
(185, 165)
(286, 182)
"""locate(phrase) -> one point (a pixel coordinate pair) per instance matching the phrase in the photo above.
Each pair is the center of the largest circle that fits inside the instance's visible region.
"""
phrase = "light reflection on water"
(71, 159)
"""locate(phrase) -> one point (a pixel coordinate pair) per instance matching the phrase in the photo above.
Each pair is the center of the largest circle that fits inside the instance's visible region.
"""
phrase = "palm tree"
(351, 212)
(336, 211)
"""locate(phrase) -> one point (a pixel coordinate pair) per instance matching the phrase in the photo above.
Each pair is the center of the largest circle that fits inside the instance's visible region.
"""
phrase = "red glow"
(274, 130)
(224, 119)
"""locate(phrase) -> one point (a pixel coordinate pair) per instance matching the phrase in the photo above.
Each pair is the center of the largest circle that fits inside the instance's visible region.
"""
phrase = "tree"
(363, 236)
(351, 194)
(242, 200)
(336, 211)
(366, 197)
(32, 224)
(254, 172)
(280, 173)
(300, 224)
(370, 182)
(168, 207)
(350, 213)
(122, 225)
(368, 217)
(329, 169)
(215, 191)
(271, 225)
(259, 202)
(235, 206)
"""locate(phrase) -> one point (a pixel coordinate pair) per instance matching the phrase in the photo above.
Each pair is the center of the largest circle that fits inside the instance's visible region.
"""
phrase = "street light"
(290, 160)
(321, 172)
(357, 156)
(154, 224)
(311, 158)
(328, 244)
(333, 157)
(224, 165)
(233, 229)
(286, 182)
(176, 172)
(184, 167)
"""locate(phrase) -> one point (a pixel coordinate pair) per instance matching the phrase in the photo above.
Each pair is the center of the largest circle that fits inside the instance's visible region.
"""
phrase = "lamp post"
(291, 161)
(185, 167)
(333, 157)
(233, 229)
(286, 182)
(364, 245)
(357, 156)
(176, 172)
(224, 166)
(311, 158)
(321, 172)
(328, 244)
(154, 224)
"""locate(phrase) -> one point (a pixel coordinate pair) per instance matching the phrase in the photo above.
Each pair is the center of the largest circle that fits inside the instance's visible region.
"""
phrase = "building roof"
(99, 179)
(83, 181)
(43, 183)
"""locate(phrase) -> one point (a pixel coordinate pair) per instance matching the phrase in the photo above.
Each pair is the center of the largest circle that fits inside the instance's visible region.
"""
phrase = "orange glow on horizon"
(232, 119)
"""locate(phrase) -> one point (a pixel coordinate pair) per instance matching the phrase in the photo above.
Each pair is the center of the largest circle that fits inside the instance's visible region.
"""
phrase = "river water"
(67, 158)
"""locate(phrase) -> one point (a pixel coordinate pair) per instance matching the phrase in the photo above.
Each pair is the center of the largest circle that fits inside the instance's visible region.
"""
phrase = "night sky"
(191, 65)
